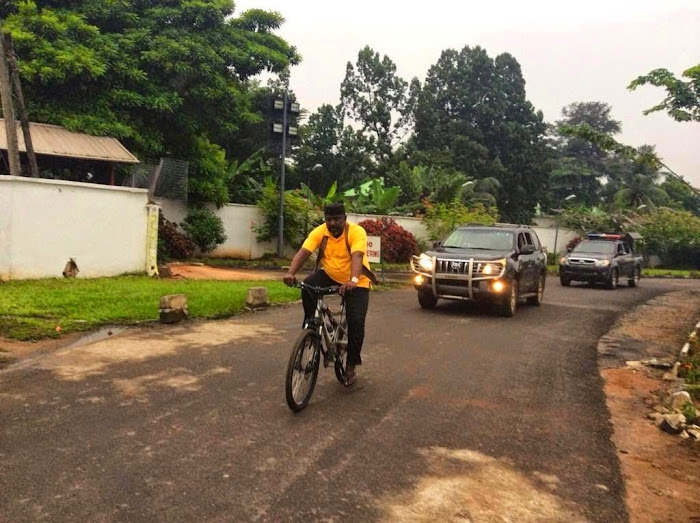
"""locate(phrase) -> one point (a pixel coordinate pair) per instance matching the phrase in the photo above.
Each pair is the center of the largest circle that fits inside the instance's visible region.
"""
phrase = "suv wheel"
(634, 280)
(564, 281)
(613, 279)
(510, 303)
(537, 299)
(427, 300)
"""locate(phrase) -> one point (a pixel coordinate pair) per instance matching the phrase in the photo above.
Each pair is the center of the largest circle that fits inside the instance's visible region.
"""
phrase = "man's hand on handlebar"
(348, 286)
(289, 279)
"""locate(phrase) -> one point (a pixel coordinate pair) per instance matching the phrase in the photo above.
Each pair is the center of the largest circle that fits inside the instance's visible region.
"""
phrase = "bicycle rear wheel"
(302, 370)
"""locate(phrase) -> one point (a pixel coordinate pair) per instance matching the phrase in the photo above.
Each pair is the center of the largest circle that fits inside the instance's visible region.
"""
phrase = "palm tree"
(640, 186)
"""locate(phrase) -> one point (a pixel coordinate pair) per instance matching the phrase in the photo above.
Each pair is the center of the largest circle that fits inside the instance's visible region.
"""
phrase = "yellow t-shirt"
(336, 258)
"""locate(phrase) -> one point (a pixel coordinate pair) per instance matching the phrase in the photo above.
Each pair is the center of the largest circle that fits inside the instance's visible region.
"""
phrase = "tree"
(682, 101)
(342, 152)
(167, 78)
(377, 99)
(681, 195)
(582, 165)
(639, 186)
(473, 115)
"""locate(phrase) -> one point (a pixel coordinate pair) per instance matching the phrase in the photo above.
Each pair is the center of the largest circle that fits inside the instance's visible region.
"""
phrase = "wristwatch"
(355, 279)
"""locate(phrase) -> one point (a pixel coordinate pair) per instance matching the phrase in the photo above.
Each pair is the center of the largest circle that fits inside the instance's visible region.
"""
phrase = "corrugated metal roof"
(54, 140)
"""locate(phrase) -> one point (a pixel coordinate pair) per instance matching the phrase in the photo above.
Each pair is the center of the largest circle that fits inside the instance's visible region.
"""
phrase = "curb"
(686, 348)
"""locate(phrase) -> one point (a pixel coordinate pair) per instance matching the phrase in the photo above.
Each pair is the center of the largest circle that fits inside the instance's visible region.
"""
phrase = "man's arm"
(355, 272)
(297, 262)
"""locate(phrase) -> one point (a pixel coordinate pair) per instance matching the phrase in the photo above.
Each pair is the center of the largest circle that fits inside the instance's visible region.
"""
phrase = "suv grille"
(443, 266)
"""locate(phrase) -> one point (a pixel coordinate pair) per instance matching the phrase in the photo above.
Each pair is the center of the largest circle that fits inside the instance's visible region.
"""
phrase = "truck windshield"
(492, 240)
(602, 247)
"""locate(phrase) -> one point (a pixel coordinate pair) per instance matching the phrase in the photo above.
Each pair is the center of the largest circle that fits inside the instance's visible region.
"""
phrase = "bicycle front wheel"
(302, 370)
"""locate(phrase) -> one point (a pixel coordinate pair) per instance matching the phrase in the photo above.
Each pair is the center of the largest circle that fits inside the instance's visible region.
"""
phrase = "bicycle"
(326, 334)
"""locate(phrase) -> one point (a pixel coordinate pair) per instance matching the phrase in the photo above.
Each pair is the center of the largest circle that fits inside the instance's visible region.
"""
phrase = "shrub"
(441, 219)
(397, 243)
(298, 215)
(205, 228)
(172, 242)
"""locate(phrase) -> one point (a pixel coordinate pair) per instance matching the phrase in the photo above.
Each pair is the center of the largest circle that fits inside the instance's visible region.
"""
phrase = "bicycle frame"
(332, 333)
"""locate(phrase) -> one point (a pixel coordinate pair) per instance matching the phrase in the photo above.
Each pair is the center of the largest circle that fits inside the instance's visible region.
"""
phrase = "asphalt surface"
(460, 415)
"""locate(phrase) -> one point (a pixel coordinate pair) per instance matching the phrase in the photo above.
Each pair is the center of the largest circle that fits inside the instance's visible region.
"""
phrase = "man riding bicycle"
(343, 252)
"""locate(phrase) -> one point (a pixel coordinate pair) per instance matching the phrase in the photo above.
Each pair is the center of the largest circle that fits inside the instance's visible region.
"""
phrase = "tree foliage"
(473, 116)
(166, 78)
(682, 100)
(381, 102)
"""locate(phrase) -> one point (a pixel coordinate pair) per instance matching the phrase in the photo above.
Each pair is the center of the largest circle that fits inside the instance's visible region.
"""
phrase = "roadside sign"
(374, 249)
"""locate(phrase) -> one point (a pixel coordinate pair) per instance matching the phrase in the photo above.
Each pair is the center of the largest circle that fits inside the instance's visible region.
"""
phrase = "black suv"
(496, 264)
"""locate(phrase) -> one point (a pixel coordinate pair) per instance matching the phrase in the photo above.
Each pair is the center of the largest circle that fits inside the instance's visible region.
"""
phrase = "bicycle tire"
(306, 343)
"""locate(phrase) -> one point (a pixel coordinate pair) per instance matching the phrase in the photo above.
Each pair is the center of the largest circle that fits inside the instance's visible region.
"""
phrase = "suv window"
(620, 249)
(529, 239)
(486, 239)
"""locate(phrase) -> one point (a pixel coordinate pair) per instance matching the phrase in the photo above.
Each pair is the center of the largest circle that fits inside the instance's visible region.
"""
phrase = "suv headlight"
(563, 260)
(426, 262)
(602, 263)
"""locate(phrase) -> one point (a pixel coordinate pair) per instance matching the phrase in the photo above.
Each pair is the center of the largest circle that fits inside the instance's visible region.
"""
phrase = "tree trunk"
(8, 113)
(21, 111)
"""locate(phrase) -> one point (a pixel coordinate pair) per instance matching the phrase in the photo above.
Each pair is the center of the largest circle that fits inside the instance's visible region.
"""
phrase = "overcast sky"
(569, 53)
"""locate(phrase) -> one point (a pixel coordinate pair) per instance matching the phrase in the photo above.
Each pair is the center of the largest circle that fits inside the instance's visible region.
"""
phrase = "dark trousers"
(356, 304)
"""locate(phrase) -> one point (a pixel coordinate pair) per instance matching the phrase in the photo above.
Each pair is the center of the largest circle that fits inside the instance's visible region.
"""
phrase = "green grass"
(32, 309)
(673, 273)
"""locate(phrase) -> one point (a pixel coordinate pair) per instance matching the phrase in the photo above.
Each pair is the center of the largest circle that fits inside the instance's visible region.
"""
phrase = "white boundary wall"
(240, 220)
(44, 222)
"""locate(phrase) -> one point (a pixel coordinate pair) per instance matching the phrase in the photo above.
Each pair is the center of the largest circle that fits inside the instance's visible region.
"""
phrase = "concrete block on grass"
(173, 308)
(257, 297)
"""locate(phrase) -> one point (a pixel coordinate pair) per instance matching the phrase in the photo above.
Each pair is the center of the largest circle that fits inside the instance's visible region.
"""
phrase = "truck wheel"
(427, 300)
(510, 304)
(564, 281)
(634, 280)
(537, 299)
(613, 279)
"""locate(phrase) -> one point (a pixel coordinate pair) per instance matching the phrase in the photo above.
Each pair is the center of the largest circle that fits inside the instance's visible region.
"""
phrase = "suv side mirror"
(436, 244)
(527, 249)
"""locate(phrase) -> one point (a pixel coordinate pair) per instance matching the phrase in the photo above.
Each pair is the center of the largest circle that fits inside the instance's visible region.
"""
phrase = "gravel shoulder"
(660, 470)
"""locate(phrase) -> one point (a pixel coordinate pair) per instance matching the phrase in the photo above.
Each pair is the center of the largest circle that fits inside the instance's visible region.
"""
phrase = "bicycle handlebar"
(333, 289)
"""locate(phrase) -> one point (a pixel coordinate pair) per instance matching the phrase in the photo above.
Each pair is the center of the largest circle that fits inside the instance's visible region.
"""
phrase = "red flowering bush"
(397, 243)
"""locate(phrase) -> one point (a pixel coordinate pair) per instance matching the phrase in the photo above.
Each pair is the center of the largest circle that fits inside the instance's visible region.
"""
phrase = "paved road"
(461, 416)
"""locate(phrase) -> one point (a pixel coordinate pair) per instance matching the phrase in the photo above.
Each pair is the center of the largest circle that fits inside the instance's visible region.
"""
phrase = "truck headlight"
(602, 263)
(563, 260)
(426, 262)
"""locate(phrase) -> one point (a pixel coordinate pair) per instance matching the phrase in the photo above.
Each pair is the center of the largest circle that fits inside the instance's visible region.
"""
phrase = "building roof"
(54, 140)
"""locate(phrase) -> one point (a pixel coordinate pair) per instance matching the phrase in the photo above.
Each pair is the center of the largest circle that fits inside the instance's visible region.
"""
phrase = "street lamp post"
(315, 168)
(285, 130)
(556, 230)
(280, 232)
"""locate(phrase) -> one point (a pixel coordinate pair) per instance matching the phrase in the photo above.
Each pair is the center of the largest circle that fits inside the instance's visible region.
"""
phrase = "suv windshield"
(489, 239)
(597, 247)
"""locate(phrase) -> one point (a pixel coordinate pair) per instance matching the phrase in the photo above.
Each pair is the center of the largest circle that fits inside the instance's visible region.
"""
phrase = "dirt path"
(204, 272)
(661, 471)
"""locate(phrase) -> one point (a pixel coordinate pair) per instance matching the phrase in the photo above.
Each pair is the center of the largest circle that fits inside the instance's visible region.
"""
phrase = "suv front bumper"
(589, 274)
(465, 281)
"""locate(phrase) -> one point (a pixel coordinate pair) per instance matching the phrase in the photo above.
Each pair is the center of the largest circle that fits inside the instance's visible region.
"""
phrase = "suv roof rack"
(498, 225)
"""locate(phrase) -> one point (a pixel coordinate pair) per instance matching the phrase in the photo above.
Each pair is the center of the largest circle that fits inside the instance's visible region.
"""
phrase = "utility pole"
(280, 232)
(8, 112)
(281, 135)
(21, 111)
